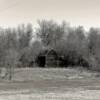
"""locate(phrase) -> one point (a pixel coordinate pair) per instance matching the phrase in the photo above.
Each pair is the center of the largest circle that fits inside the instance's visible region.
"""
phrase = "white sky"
(77, 12)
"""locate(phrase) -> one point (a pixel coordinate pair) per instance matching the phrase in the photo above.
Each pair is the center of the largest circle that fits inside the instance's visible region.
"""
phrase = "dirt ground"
(51, 84)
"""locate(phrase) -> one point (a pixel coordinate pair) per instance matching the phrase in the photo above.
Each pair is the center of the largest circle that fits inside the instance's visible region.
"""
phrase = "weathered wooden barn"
(48, 58)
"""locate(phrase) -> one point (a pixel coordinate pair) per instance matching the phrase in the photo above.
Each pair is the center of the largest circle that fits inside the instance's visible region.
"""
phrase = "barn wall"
(51, 59)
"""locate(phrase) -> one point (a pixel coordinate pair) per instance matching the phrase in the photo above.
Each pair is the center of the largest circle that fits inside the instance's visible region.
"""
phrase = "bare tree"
(11, 61)
(94, 47)
(50, 32)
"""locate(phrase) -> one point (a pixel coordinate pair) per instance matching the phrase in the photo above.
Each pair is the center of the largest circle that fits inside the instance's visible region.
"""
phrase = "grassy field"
(51, 84)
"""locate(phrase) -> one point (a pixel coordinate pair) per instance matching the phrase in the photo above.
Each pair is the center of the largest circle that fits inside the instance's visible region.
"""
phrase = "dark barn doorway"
(41, 61)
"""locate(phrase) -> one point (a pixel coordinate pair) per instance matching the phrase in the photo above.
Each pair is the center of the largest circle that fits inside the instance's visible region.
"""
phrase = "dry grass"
(51, 84)
(52, 73)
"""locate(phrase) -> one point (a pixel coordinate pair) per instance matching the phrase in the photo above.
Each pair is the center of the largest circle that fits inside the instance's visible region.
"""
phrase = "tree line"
(20, 46)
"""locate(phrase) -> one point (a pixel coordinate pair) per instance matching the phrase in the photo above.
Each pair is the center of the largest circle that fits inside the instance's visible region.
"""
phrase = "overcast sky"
(77, 12)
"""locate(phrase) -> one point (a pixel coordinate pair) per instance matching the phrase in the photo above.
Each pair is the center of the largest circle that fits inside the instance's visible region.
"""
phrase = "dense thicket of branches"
(18, 48)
